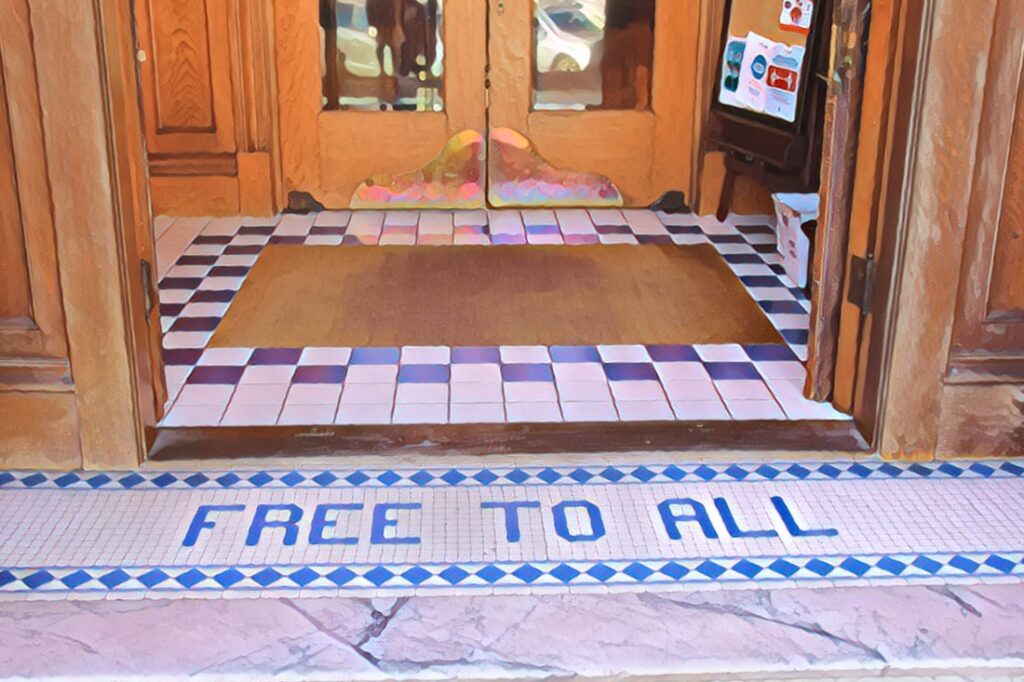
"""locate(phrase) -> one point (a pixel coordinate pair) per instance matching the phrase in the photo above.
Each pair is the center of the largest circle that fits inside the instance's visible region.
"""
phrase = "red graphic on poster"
(783, 79)
(797, 15)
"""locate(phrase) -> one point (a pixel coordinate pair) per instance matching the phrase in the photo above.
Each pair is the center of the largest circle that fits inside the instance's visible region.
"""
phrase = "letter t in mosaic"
(512, 533)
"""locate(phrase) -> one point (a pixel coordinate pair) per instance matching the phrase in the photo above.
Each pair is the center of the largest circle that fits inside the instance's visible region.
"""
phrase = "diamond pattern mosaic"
(204, 263)
(507, 528)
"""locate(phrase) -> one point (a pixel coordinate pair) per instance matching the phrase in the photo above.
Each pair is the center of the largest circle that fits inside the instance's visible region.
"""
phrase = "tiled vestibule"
(204, 262)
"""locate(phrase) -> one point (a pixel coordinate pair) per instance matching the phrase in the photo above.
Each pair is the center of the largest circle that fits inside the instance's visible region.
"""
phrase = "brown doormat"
(299, 296)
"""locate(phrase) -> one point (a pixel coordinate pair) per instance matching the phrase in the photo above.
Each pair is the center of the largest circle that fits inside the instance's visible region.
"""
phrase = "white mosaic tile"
(641, 525)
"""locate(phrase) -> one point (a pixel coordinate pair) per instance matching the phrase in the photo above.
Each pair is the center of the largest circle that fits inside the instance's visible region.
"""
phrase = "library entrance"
(433, 104)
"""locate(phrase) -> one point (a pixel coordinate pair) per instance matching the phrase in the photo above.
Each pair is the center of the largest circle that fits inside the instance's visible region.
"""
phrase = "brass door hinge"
(862, 282)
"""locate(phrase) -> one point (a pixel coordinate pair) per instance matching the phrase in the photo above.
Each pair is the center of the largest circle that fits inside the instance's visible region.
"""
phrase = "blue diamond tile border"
(758, 472)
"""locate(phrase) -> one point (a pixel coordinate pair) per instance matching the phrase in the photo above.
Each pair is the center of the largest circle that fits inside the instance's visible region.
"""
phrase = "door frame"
(873, 355)
(92, 146)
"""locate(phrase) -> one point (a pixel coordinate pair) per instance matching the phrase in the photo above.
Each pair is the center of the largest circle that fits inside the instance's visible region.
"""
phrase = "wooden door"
(353, 121)
(37, 403)
(602, 90)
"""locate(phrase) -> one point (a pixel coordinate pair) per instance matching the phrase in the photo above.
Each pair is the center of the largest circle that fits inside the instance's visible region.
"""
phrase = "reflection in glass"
(453, 179)
(519, 176)
(593, 54)
(383, 55)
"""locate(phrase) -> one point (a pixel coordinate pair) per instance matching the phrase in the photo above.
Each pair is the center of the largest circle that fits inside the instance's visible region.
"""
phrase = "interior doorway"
(440, 104)
(566, 306)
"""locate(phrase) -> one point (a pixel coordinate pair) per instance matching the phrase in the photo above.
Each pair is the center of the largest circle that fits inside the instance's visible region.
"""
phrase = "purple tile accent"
(327, 230)
(275, 356)
(375, 356)
(673, 353)
(196, 260)
(743, 258)
(182, 357)
(525, 372)
(582, 239)
(289, 239)
(613, 229)
(796, 336)
(762, 281)
(630, 371)
(765, 248)
(320, 374)
(243, 250)
(732, 371)
(782, 307)
(726, 239)
(213, 296)
(213, 374)
(208, 239)
(508, 239)
(265, 230)
(684, 229)
(195, 324)
(575, 354)
(424, 374)
(476, 356)
(654, 239)
(171, 309)
(229, 271)
(542, 229)
(799, 294)
(775, 352)
(180, 283)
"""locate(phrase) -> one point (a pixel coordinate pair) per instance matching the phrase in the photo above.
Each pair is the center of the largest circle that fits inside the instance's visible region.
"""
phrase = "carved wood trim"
(40, 331)
(999, 140)
(172, 165)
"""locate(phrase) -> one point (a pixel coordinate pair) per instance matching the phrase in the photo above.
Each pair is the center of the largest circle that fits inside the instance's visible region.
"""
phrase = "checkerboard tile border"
(602, 474)
(197, 291)
(375, 579)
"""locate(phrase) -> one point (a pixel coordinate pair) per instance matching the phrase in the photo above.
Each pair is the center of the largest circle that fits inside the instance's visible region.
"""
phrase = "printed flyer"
(797, 15)
(767, 80)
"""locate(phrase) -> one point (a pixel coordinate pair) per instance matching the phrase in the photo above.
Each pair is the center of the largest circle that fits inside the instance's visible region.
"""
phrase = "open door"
(877, 202)
(591, 103)
(134, 205)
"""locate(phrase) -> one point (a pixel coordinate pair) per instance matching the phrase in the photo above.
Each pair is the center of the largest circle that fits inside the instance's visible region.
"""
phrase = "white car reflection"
(566, 38)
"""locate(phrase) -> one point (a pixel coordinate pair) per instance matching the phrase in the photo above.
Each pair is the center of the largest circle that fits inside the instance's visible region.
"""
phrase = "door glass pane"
(383, 55)
(593, 54)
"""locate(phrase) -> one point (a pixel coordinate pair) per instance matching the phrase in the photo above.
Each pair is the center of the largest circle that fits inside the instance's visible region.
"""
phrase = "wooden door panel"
(329, 153)
(644, 152)
(1006, 292)
(31, 316)
(989, 324)
(186, 76)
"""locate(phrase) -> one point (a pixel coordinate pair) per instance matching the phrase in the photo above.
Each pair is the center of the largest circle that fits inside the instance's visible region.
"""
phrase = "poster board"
(766, 60)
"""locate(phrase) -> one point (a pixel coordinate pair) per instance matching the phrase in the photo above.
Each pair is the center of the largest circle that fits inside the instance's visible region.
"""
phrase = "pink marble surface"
(852, 633)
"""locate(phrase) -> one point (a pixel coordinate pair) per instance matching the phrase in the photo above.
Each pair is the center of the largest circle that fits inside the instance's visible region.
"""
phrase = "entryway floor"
(203, 263)
(517, 568)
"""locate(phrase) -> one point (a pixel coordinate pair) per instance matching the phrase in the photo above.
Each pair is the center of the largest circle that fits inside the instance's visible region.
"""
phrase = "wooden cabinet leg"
(725, 198)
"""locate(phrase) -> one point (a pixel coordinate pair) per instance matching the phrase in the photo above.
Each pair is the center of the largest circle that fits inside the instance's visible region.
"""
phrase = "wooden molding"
(173, 165)
(451, 440)
(35, 374)
(966, 369)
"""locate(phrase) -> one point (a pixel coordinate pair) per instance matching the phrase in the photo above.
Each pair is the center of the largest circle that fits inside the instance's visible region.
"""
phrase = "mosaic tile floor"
(204, 262)
(645, 525)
